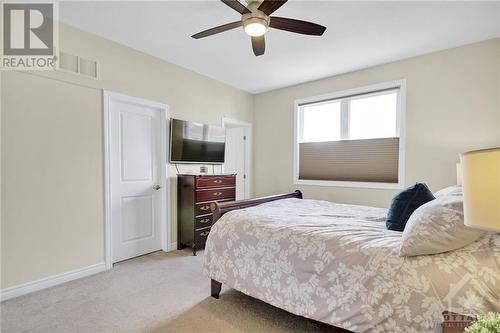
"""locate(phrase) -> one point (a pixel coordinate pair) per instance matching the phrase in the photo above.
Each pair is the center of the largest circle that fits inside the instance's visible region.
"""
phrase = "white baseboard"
(50, 281)
(173, 246)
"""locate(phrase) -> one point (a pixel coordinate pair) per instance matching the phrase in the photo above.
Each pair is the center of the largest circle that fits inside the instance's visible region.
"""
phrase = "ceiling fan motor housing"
(255, 17)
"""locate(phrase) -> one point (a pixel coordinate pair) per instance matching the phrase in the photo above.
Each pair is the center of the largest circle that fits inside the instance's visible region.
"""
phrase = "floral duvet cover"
(337, 264)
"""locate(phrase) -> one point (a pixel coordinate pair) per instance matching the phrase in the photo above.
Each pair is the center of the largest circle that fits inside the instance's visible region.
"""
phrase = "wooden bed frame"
(219, 209)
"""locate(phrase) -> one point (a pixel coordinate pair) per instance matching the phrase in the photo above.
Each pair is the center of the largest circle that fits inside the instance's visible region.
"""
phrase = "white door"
(135, 174)
(234, 161)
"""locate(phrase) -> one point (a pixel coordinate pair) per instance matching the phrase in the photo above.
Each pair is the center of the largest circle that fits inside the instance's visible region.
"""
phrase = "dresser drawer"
(202, 209)
(203, 221)
(200, 236)
(215, 194)
(207, 182)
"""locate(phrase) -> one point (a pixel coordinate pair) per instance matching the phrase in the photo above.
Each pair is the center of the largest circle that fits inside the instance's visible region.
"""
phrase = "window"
(373, 117)
(321, 122)
(351, 138)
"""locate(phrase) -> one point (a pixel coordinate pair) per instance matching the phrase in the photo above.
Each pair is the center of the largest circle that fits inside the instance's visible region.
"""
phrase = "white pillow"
(437, 226)
(451, 190)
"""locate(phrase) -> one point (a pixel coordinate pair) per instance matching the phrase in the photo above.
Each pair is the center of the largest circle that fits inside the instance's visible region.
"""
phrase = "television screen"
(192, 142)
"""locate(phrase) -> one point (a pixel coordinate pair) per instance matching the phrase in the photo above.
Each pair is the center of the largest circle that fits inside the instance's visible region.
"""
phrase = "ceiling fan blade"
(218, 29)
(270, 6)
(258, 45)
(237, 6)
(297, 26)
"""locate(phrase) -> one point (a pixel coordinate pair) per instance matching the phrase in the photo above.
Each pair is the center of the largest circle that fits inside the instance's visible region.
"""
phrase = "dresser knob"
(216, 194)
(204, 220)
(204, 234)
(217, 181)
(205, 207)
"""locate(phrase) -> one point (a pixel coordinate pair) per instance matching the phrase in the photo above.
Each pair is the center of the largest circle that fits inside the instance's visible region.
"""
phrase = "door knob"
(156, 187)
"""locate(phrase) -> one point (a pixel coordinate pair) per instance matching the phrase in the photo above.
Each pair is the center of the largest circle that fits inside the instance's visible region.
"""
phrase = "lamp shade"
(481, 188)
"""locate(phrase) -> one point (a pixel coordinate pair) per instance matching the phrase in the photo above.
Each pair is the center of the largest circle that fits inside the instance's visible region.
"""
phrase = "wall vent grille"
(78, 65)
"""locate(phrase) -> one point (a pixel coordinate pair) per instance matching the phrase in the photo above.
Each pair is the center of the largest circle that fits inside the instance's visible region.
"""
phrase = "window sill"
(335, 183)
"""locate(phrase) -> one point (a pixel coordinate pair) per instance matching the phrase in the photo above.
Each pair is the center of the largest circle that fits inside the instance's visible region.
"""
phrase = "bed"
(339, 265)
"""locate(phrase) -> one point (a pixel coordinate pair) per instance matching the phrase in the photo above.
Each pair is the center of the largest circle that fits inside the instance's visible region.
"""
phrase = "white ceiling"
(358, 35)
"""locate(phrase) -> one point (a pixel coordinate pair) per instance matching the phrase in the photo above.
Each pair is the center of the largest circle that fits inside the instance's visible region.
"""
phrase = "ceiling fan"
(256, 19)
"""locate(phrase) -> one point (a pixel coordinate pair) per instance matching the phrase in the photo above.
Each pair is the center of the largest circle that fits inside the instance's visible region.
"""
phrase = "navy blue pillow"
(405, 203)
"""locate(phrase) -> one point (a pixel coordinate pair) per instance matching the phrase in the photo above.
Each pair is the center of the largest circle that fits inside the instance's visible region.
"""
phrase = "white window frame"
(400, 130)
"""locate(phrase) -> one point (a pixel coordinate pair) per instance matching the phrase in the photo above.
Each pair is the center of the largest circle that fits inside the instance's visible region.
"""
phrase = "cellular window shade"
(371, 160)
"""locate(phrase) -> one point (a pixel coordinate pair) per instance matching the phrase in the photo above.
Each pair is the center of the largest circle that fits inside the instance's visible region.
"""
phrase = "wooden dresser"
(195, 193)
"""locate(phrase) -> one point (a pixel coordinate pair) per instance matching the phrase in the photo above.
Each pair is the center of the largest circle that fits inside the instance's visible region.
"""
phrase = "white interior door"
(234, 161)
(136, 180)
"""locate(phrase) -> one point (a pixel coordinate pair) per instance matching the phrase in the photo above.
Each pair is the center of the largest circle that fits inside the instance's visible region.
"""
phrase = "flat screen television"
(192, 142)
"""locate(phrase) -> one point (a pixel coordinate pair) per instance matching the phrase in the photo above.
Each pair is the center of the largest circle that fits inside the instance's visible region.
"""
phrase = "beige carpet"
(160, 292)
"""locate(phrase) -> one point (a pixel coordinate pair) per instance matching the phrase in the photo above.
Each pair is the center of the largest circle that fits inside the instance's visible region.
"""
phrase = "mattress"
(337, 264)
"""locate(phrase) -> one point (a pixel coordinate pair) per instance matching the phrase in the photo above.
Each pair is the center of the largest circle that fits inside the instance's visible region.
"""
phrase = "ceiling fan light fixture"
(256, 19)
(255, 27)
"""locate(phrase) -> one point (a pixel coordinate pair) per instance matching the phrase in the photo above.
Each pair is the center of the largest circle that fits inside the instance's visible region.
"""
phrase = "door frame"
(165, 224)
(248, 149)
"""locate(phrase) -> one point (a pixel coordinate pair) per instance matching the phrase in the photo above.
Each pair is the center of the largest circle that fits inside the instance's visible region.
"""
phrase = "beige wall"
(452, 106)
(52, 156)
(52, 177)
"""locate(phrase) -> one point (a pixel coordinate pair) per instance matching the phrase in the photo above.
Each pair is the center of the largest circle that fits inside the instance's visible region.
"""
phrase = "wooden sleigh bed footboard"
(221, 208)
